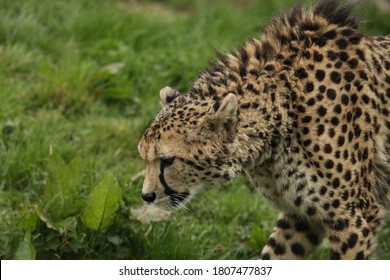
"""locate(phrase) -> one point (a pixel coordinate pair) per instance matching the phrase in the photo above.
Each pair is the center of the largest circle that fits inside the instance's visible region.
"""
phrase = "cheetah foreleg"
(292, 238)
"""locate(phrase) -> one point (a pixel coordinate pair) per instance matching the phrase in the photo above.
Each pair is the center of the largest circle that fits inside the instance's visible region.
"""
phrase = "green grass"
(81, 78)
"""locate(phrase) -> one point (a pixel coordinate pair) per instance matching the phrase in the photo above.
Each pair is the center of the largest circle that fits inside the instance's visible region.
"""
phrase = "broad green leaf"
(29, 223)
(25, 250)
(62, 187)
(102, 203)
(62, 226)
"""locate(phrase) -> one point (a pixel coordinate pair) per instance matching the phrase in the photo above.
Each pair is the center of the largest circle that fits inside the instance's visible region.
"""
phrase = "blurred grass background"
(81, 78)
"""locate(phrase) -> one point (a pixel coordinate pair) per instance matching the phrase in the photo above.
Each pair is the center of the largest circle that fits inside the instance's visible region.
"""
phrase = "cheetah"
(303, 113)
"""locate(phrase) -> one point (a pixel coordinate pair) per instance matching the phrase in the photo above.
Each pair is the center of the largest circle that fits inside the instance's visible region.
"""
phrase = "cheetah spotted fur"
(303, 113)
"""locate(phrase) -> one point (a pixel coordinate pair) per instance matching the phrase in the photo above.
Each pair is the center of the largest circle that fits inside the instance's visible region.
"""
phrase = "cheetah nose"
(149, 197)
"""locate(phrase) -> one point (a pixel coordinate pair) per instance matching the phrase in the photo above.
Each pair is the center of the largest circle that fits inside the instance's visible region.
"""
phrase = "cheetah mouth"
(177, 199)
(173, 201)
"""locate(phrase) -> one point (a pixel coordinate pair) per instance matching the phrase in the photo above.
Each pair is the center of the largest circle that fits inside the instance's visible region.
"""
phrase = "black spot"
(334, 255)
(349, 76)
(326, 206)
(254, 72)
(329, 164)
(301, 226)
(358, 223)
(328, 148)
(332, 55)
(347, 32)
(321, 111)
(336, 203)
(318, 57)
(301, 109)
(352, 63)
(352, 240)
(310, 26)
(307, 54)
(301, 73)
(349, 116)
(335, 77)
(342, 44)
(340, 141)
(309, 87)
(343, 56)
(245, 105)
(360, 256)
(330, 34)
(340, 225)
(357, 131)
(307, 142)
(347, 175)
(335, 121)
(345, 99)
(355, 40)
(279, 249)
(311, 102)
(323, 190)
(358, 113)
(337, 109)
(298, 249)
(345, 195)
(306, 119)
(360, 53)
(313, 238)
(311, 211)
(320, 75)
(365, 232)
(363, 75)
(283, 224)
(216, 105)
(287, 62)
(242, 70)
(336, 183)
(331, 93)
(320, 129)
(269, 67)
(298, 201)
(265, 256)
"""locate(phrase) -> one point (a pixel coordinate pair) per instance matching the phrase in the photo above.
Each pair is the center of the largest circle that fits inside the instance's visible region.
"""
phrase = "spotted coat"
(304, 114)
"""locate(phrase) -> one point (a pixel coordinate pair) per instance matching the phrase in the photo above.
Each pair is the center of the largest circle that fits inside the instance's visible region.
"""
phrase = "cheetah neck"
(266, 92)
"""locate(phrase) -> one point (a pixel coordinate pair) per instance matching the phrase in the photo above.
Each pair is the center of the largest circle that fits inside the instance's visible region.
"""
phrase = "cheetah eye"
(166, 162)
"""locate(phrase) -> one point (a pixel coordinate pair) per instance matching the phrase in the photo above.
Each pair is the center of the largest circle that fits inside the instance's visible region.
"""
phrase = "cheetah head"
(189, 145)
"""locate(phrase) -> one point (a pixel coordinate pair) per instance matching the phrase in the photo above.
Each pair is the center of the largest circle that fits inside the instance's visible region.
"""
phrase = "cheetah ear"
(227, 108)
(225, 117)
(167, 95)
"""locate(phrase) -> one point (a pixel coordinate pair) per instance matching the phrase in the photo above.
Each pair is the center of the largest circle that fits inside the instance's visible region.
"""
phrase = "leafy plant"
(54, 220)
